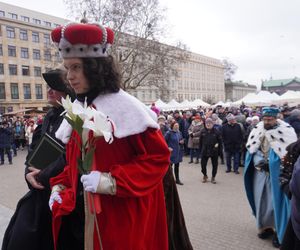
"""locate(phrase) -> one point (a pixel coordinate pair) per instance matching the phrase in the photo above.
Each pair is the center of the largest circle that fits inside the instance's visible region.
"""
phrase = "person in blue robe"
(266, 146)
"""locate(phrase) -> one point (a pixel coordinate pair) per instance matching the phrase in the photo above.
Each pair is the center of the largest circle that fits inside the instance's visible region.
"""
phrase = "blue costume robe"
(280, 202)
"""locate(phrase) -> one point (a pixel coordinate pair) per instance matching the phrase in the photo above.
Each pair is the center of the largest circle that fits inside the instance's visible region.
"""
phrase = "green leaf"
(70, 121)
(88, 160)
(80, 166)
(78, 125)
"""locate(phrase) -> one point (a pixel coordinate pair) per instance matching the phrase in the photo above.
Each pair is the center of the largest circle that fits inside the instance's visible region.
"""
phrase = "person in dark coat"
(294, 121)
(177, 233)
(164, 128)
(210, 147)
(20, 134)
(5, 142)
(289, 181)
(30, 226)
(185, 133)
(175, 142)
(233, 138)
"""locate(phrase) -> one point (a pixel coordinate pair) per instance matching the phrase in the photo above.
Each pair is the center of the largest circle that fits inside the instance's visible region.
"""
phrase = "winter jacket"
(210, 142)
(5, 137)
(194, 134)
(232, 137)
(173, 139)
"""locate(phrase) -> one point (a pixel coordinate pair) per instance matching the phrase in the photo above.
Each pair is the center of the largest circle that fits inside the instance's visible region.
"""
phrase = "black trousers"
(176, 170)
(214, 162)
(6, 151)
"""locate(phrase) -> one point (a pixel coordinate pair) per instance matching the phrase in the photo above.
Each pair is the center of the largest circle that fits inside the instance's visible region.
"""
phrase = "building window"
(12, 51)
(25, 19)
(37, 71)
(10, 32)
(38, 91)
(23, 35)
(14, 91)
(35, 37)
(25, 70)
(1, 50)
(47, 39)
(24, 53)
(1, 69)
(47, 55)
(36, 21)
(48, 24)
(2, 13)
(27, 91)
(13, 70)
(36, 54)
(2, 90)
(12, 15)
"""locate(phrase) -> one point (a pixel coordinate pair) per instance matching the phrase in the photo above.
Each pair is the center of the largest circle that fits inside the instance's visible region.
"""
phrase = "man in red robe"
(126, 175)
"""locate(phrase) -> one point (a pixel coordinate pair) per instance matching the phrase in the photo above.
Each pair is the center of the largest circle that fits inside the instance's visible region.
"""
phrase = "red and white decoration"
(82, 40)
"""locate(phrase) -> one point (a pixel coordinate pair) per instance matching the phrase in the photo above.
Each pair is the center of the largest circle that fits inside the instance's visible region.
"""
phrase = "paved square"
(218, 217)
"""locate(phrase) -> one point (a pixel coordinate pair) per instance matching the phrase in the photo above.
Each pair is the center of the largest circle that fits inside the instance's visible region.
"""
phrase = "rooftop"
(279, 82)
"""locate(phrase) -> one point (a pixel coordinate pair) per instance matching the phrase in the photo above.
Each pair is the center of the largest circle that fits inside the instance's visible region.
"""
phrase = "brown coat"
(194, 130)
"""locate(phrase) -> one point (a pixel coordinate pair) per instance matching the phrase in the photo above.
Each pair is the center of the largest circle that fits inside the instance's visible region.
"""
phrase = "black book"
(45, 152)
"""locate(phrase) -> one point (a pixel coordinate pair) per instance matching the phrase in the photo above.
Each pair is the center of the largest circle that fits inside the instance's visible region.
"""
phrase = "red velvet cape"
(134, 218)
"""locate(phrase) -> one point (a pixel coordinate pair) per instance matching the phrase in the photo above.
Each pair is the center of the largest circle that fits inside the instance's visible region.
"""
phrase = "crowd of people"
(131, 178)
(16, 134)
(263, 141)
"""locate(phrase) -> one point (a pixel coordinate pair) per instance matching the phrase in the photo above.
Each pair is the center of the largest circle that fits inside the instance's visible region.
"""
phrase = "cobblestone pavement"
(217, 216)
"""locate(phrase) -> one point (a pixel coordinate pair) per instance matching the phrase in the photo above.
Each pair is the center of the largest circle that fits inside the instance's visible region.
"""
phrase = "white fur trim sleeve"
(64, 131)
(279, 138)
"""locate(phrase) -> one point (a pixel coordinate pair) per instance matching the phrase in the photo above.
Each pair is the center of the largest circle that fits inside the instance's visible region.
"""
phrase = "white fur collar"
(129, 115)
(279, 138)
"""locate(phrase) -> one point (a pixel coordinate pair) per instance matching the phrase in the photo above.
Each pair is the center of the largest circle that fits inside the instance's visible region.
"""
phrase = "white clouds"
(259, 36)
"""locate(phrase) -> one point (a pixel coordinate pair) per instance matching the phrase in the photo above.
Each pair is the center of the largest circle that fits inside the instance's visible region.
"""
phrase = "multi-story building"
(26, 52)
(200, 77)
(280, 86)
(237, 90)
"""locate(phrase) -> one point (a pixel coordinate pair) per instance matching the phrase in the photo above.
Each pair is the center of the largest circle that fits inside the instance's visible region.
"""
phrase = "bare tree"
(229, 69)
(138, 26)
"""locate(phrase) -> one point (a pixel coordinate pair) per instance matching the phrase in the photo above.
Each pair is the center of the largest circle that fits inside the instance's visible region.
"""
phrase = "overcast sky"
(262, 37)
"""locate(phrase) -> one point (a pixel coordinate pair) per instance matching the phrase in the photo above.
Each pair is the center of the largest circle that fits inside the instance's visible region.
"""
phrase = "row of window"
(23, 35)
(25, 70)
(27, 19)
(24, 53)
(14, 90)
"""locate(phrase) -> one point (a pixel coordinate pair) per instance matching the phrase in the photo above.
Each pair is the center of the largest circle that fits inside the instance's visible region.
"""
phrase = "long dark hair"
(103, 74)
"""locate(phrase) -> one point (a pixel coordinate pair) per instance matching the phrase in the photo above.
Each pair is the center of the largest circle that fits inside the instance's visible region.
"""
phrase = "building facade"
(280, 86)
(200, 77)
(237, 90)
(26, 52)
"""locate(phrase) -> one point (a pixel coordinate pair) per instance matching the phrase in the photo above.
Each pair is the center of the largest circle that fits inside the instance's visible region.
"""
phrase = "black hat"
(54, 80)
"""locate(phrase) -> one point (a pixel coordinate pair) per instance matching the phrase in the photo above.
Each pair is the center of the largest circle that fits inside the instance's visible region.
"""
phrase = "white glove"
(54, 197)
(91, 181)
